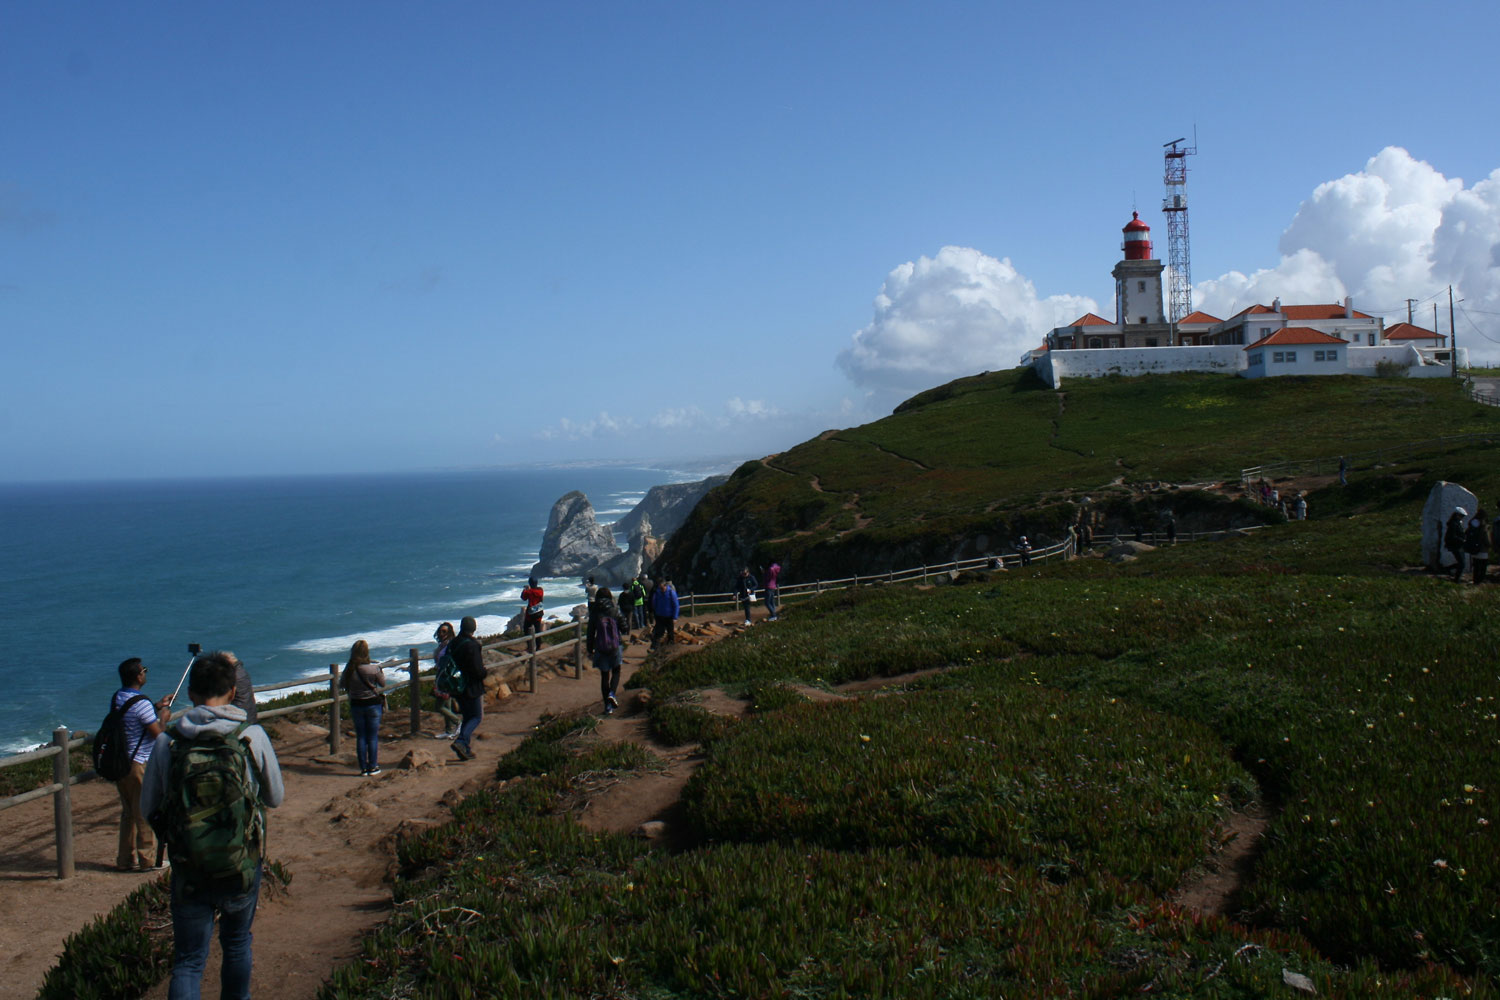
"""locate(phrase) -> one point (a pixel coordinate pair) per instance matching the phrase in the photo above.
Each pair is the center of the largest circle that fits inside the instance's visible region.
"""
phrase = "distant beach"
(287, 572)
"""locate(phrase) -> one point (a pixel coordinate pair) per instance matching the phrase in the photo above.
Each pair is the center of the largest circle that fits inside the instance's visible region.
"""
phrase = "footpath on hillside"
(335, 833)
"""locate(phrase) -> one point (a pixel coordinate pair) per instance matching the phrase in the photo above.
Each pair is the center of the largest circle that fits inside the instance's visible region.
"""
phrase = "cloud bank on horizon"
(1395, 229)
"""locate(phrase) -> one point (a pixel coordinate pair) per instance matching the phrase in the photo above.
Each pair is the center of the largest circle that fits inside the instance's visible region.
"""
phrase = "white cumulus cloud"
(960, 312)
(1396, 229)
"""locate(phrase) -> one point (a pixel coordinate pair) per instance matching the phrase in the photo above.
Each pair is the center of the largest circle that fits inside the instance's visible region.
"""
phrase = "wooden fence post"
(691, 603)
(924, 574)
(62, 803)
(333, 709)
(578, 653)
(414, 686)
(531, 672)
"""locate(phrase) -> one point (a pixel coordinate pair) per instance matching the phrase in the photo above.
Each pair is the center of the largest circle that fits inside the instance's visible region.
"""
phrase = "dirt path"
(335, 833)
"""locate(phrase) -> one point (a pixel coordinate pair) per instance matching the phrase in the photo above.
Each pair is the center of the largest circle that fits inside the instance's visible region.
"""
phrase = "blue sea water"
(285, 572)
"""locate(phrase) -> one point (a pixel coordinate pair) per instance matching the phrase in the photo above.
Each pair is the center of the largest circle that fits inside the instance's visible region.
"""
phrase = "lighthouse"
(1138, 291)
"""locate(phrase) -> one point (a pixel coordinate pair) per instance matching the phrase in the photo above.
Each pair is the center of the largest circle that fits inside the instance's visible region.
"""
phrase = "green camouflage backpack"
(212, 816)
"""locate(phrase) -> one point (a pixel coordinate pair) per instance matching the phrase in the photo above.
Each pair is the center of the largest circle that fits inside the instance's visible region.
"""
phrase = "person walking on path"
(1301, 506)
(451, 719)
(216, 730)
(144, 722)
(606, 644)
(1477, 544)
(666, 607)
(648, 584)
(1023, 547)
(1453, 540)
(773, 591)
(1343, 471)
(531, 618)
(469, 655)
(744, 591)
(635, 600)
(364, 682)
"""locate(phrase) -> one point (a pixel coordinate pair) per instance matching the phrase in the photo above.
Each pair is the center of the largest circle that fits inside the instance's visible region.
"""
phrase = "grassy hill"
(1016, 819)
(965, 468)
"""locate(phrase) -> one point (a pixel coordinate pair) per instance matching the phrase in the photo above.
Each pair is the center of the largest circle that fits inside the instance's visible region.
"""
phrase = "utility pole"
(1452, 333)
(1409, 304)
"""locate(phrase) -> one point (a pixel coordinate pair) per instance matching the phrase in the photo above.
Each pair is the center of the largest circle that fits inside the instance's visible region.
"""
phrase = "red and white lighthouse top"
(1137, 238)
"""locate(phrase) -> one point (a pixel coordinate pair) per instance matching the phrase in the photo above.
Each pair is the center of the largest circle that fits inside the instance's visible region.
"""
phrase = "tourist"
(205, 845)
(469, 655)
(744, 591)
(608, 651)
(531, 617)
(773, 591)
(649, 584)
(1023, 547)
(244, 690)
(444, 636)
(1343, 471)
(638, 602)
(365, 684)
(1171, 529)
(1453, 540)
(1301, 507)
(1477, 544)
(665, 607)
(142, 719)
(591, 589)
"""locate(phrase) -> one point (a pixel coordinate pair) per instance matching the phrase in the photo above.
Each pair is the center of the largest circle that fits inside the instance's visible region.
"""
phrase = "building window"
(1291, 357)
(1150, 341)
(1140, 286)
(1095, 342)
(1333, 355)
(1257, 358)
(1143, 319)
(1317, 355)
(1278, 357)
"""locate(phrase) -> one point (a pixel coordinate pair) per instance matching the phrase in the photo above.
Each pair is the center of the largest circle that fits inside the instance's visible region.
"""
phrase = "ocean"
(285, 572)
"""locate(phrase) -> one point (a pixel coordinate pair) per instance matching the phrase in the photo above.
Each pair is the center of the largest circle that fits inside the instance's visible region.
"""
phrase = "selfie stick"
(189, 667)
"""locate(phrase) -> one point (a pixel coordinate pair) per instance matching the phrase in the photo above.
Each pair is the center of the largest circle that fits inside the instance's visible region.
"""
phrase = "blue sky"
(381, 236)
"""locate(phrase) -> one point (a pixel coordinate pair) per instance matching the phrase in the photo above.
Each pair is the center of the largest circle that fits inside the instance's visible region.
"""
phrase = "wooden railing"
(1366, 459)
(63, 741)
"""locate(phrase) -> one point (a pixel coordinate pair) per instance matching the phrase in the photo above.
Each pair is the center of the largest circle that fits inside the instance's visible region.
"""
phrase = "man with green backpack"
(207, 785)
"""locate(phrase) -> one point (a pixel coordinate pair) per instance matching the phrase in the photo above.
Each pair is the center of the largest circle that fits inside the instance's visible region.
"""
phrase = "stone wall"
(1054, 366)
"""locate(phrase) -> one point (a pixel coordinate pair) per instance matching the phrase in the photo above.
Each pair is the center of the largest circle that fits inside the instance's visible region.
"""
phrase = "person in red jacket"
(531, 618)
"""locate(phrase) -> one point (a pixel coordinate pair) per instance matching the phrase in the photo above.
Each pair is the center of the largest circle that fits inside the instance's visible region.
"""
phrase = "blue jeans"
(367, 734)
(773, 601)
(473, 712)
(193, 929)
(638, 616)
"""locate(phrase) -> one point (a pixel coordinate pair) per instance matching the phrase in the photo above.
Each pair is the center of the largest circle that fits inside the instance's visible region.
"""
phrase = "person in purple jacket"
(773, 593)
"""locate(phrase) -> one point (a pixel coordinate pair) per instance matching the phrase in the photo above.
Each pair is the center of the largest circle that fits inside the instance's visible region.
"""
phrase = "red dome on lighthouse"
(1137, 238)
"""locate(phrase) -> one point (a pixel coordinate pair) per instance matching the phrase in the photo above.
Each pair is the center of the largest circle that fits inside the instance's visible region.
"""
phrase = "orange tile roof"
(1295, 335)
(1199, 317)
(1252, 311)
(1044, 347)
(1091, 319)
(1331, 310)
(1408, 331)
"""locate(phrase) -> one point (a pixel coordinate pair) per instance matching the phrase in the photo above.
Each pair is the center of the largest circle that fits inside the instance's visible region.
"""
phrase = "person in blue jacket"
(665, 606)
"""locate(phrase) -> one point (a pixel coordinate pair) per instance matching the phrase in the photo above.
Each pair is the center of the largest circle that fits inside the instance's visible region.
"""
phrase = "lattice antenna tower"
(1175, 207)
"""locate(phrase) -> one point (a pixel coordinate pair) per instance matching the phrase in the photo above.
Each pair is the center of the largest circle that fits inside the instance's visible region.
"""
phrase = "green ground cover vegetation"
(1055, 750)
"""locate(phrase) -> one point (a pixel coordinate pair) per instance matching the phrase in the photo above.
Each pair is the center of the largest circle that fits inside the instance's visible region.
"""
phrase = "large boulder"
(664, 508)
(642, 552)
(1441, 502)
(575, 542)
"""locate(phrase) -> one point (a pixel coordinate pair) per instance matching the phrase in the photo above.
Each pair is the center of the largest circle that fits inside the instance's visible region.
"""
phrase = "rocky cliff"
(575, 542)
(664, 508)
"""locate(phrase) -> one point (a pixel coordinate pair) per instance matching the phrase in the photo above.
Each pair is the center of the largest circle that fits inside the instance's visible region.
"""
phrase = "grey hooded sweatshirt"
(265, 772)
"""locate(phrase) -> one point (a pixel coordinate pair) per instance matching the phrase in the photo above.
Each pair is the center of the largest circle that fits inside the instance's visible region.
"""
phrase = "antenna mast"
(1175, 207)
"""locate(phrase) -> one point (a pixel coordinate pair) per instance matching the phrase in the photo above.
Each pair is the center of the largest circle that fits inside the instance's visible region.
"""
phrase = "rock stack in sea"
(576, 544)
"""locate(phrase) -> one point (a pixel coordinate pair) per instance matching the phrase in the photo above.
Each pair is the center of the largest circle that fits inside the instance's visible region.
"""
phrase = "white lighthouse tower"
(1138, 291)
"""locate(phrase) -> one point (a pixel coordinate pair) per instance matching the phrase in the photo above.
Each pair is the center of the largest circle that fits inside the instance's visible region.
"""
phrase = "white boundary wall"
(1095, 363)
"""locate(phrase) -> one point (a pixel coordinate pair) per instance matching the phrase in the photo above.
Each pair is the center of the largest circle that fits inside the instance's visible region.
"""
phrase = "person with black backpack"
(208, 784)
(468, 654)
(605, 641)
(121, 749)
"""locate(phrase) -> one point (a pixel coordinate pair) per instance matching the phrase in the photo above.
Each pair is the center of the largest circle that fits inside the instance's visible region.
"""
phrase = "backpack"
(112, 758)
(450, 679)
(607, 635)
(211, 815)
